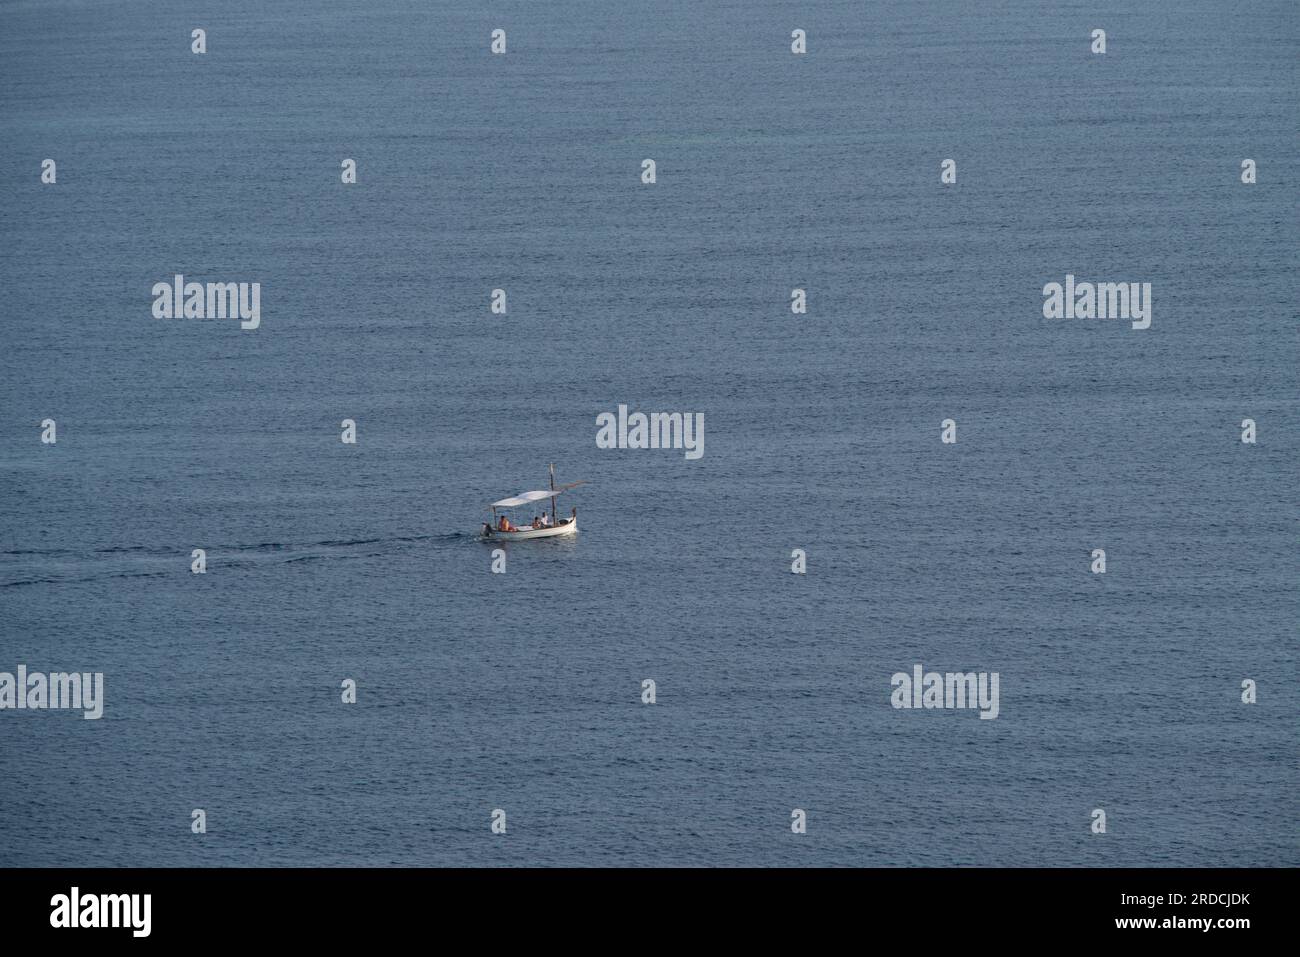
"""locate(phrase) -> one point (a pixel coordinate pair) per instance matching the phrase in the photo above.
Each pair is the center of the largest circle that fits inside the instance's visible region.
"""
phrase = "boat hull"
(569, 528)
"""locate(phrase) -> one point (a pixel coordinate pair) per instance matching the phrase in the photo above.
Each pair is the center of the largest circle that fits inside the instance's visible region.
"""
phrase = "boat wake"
(23, 567)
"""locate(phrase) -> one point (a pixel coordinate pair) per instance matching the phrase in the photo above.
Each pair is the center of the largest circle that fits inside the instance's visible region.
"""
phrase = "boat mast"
(554, 517)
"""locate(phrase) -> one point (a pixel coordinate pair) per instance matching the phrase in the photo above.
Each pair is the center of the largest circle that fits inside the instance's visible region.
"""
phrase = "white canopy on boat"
(523, 498)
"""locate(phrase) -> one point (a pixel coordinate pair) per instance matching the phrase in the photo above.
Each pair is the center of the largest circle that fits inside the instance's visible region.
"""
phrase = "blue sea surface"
(522, 691)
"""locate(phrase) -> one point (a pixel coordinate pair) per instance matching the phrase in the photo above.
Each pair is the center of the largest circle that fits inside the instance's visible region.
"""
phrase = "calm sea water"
(522, 691)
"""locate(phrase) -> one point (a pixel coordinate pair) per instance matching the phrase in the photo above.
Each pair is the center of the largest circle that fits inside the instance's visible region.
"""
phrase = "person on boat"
(546, 520)
(505, 525)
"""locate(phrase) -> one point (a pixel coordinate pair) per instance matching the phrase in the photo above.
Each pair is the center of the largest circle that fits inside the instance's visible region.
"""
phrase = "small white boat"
(567, 527)
(493, 531)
